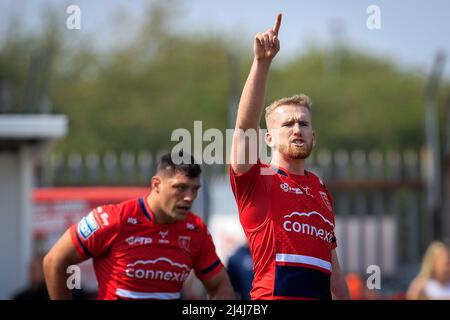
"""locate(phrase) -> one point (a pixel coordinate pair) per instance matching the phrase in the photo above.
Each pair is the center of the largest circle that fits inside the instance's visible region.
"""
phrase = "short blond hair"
(301, 100)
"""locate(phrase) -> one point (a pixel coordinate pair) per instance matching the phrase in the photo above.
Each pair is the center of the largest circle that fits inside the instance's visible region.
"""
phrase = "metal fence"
(379, 200)
(379, 197)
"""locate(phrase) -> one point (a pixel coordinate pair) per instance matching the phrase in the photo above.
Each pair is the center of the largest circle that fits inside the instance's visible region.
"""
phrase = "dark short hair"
(172, 163)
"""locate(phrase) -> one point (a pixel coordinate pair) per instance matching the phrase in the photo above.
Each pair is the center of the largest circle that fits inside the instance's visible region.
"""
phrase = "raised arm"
(60, 257)
(266, 45)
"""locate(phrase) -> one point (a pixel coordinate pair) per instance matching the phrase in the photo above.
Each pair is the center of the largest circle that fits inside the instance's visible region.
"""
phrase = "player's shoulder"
(316, 178)
(120, 210)
(129, 204)
(192, 217)
(194, 222)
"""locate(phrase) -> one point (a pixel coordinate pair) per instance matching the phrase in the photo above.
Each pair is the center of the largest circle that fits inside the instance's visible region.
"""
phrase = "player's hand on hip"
(267, 44)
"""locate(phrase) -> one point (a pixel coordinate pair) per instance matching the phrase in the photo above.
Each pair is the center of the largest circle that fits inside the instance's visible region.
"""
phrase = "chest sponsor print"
(322, 229)
(161, 268)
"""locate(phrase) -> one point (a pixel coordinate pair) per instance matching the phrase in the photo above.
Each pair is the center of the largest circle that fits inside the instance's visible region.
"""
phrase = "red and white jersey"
(289, 222)
(135, 258)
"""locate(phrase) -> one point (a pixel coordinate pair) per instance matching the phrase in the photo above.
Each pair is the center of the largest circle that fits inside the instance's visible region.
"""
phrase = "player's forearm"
(339, 288)
(222, 292)
(56, 279)
(219, 287)
(251, 104)
(338, 284)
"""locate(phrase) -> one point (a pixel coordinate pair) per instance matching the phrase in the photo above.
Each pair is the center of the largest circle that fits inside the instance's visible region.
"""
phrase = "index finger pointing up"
(277, 25)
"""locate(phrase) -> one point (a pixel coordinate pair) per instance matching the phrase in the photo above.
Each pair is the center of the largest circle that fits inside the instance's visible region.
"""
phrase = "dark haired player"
(143, 248)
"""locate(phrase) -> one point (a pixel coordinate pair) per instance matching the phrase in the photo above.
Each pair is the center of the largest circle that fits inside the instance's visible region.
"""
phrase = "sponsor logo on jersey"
(287, 188)
(302, 190)
(163, 235)
(326, 200)
(325, 234)
(138, 240)
(190, 226)
(157, 269)
(306, 190)
(132, 220)
(87, 226)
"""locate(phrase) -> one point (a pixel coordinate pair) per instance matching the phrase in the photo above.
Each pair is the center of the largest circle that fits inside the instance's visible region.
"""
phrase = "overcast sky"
(411, 30)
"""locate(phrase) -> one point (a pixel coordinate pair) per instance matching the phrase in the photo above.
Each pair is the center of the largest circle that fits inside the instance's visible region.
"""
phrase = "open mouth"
(298, 142)
(183, 208)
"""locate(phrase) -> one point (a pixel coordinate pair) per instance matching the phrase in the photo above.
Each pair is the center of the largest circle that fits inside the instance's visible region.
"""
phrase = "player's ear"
(269, 138)
(156, 183)
(314, 138)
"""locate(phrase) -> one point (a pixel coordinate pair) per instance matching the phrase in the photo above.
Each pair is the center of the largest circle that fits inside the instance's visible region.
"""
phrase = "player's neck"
(159, 215)
(294, 166)
(162, 218)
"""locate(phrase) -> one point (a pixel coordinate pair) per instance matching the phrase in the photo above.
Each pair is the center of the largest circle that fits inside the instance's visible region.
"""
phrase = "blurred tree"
(368, 104)
(133, 97)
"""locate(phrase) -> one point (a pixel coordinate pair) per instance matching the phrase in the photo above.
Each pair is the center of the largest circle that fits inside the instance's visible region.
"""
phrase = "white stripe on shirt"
(147, 295)
(298, 258)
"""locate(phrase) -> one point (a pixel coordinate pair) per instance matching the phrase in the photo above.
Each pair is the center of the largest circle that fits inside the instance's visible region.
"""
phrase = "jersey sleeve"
(246, 187)
(208, 263)
(94, 234)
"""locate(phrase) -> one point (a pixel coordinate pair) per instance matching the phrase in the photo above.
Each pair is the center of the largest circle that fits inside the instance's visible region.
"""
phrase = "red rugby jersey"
(289, 222)
(135, 258)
